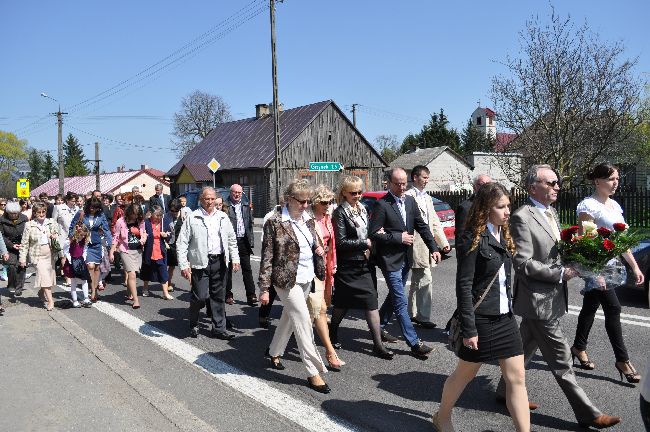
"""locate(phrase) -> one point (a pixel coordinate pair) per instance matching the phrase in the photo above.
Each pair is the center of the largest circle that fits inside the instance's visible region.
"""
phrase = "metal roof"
(247, 143)
(423, 157)
(82, 184)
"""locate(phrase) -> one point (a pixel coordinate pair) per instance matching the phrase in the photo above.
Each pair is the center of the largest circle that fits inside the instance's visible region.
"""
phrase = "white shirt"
(421, 196)
(240, 231)
(213, 223)
(43, 238)
(306, 241)
(603, 215)
(504, 302)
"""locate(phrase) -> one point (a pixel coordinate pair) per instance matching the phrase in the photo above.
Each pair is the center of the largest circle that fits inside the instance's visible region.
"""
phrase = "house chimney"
(261, 110)
(144, 166)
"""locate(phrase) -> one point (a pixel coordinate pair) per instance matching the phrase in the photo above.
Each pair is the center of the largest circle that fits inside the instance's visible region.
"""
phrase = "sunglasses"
(552, 183)
(326, 203)
(301, 202)
(355, 193)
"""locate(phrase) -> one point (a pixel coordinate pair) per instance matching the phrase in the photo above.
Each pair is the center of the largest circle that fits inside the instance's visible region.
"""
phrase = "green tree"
(50, 169)
(12, 149)
(434, 134)
(35, 160)
(74, 158)
(473, 140)
(643, 129)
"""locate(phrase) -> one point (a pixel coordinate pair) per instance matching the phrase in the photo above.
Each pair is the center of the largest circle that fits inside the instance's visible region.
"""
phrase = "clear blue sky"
(401, 60)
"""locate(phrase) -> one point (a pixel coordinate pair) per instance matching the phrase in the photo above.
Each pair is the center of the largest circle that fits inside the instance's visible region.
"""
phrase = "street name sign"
(214, 165)
(325, 166)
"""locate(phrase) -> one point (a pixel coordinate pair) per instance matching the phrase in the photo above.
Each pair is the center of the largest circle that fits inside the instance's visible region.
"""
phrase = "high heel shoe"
(322, 388)
(334, 363)
(632, 377)
(584, 364)
(383, 353)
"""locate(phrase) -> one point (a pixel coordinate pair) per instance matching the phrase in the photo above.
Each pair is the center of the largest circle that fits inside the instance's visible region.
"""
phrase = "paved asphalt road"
(369, 394)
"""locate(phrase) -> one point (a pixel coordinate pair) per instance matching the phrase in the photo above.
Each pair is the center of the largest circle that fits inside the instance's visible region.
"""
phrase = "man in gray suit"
(540, 291)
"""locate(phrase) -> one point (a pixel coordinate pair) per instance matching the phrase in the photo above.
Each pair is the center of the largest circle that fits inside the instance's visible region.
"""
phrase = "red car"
(443, 210)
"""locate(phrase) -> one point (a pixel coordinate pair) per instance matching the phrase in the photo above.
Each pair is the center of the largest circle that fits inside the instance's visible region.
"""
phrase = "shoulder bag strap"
(487, 290)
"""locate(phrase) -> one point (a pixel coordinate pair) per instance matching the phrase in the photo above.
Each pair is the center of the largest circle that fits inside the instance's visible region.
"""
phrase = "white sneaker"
(87, 303)
(76, 304)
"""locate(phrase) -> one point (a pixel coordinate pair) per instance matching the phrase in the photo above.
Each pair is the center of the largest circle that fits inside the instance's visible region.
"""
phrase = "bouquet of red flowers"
(597, 248)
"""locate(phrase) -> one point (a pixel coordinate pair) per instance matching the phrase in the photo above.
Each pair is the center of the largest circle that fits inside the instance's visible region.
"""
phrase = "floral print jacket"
(280, 254)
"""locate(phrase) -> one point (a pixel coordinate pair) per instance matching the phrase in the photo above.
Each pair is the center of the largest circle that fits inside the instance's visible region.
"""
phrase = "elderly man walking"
(242, 220)
(205, 246)
(540, 293)
(421, 291)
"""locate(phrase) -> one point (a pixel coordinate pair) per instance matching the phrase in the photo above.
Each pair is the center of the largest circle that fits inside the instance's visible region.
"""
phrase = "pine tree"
(473, 140)
(73, 157)
(434, 134)
(49, 167)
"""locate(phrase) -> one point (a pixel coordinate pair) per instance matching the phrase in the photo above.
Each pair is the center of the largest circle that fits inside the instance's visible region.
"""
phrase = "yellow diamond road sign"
(214, 165)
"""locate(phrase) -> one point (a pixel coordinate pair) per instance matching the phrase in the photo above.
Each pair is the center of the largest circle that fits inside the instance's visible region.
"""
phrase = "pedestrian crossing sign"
(22, 188)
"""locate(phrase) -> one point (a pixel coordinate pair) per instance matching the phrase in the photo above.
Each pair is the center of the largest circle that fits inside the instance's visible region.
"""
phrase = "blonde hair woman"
(291, 258)
(321, 201)
(39, 243)
(355, 281)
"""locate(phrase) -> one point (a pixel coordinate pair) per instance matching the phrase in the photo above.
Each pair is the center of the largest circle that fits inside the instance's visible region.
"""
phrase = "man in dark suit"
(242, 220)
(462, 211)
(160, 199)
(394, 219)
(540, 293)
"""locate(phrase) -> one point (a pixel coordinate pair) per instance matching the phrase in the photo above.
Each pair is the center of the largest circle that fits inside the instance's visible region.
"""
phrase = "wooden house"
(245, 149)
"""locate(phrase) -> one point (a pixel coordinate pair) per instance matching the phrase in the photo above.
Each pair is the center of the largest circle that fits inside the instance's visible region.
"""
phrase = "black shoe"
(383, 353)
(264, 322)
(420, 350)
(267, 354)
(251, 299)
(222, 335)
(427, 325)
(276, 363)
(194, 332)
(323, 388)
(229, 324)
(387, 337)
(19, 292)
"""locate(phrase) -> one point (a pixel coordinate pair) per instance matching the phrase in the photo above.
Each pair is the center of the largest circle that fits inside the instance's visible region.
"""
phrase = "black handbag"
(454, 339)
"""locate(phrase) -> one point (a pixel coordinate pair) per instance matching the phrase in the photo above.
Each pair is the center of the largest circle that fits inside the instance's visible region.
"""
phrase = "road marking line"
(295, 410)
(624, 315)
(641, 324)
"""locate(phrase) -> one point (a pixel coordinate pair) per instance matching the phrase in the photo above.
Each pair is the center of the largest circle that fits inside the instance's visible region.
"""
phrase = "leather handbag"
(454, 339)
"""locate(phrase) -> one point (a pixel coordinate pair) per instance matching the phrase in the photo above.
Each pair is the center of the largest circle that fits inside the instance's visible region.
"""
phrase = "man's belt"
(214, 257)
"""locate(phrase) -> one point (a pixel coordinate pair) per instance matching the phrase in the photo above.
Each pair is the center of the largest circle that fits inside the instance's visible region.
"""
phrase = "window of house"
(243, 180)
(490, 123)
(478, 121)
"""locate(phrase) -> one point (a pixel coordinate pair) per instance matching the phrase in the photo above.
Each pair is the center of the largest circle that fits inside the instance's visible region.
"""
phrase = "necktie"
(552, 222)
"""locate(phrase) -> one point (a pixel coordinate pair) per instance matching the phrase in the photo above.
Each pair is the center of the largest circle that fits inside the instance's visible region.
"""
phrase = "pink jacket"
(121, 235)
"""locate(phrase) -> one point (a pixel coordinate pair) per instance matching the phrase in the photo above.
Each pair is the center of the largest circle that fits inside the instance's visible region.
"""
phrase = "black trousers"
(246, 270)
(15, 276)
(209, 285)
(612, 310)
(265, 310)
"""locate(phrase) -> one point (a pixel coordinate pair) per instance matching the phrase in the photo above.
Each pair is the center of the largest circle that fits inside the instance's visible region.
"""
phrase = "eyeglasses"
(301, 202)
(551, 183)
(355, 193)
(326, 203)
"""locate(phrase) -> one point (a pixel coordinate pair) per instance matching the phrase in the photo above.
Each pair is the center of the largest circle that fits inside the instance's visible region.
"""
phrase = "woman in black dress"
(174, 215)
(490, 331)
(355, 283)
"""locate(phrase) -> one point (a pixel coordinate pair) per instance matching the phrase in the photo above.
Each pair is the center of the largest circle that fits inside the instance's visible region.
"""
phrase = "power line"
(248, 12)
(122, 144)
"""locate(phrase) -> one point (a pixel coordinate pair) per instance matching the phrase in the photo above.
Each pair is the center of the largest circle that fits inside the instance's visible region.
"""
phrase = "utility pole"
(59, 120)
(354, 114)
(276, 111)
(97, 166)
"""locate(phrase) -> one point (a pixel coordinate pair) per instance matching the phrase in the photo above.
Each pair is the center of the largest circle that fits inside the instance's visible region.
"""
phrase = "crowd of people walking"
(322, 249)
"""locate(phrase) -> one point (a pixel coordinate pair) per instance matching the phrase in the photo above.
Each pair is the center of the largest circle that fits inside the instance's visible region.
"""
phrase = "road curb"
(163, 402)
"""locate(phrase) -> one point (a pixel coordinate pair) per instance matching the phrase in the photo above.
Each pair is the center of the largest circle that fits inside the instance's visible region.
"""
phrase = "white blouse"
(603, 215)
(504, 302)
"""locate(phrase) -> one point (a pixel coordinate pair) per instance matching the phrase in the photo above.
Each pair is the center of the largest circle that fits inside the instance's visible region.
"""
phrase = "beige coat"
(30, 247)
(419, 255)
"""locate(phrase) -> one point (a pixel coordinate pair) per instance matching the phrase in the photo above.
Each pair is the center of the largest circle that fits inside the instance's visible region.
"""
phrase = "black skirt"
(498, 338)
(355, 285)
